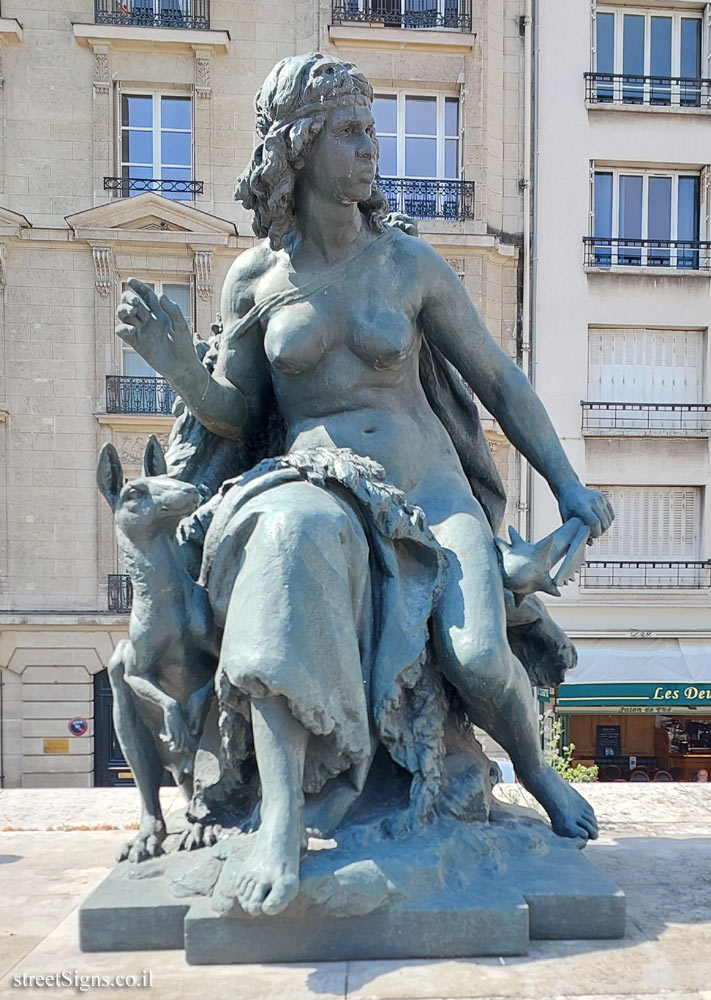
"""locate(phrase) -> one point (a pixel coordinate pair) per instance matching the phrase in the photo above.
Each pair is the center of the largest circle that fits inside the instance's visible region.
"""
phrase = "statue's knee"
(479, 665)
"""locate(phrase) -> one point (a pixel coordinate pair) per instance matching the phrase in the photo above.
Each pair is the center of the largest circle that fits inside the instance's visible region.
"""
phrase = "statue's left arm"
(453, 324)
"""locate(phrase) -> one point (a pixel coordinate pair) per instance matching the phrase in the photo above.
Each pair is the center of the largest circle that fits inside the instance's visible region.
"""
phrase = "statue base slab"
(442, 891)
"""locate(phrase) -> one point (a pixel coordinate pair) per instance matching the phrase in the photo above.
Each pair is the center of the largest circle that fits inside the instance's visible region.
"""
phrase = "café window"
(653, 50)
(156, 140)
(418, 135)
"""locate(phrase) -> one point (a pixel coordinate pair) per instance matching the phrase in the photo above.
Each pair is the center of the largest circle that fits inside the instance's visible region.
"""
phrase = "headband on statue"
(350, 100)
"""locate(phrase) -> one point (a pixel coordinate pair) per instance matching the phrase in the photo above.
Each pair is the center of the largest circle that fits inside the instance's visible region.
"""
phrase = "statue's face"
(343, 159)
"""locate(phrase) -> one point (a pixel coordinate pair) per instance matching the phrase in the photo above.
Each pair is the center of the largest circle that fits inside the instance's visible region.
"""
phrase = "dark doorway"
(110, 767)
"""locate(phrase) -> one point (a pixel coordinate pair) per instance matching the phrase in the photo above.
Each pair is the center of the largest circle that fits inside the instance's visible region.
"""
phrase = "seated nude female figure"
(341, 359)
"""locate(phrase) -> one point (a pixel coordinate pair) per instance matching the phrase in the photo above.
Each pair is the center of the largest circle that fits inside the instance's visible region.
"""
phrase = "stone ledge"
(374, 36)
(133, 38)
(10, 30)
(150, 423)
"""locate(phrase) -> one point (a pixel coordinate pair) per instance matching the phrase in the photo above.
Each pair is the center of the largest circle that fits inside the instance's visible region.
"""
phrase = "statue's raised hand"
(591, 506)
(155, 328)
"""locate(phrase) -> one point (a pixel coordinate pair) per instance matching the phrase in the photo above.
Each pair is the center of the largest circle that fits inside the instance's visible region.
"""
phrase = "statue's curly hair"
(267, 185)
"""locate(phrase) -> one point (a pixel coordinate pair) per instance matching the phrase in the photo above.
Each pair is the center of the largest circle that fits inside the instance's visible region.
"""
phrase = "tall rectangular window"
(657, 52)
(179, 292)
(156, 143)
(647, 218)
(418, 135)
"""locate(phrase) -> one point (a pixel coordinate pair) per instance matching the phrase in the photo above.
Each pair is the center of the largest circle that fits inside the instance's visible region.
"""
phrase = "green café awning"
(647, 674)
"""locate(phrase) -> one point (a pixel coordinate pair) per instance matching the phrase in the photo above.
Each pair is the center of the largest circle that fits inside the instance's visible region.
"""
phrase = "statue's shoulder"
(243, 276)
(410, 250)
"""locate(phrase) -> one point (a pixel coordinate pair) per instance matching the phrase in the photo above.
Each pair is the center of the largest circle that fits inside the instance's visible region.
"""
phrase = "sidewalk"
(656, 844)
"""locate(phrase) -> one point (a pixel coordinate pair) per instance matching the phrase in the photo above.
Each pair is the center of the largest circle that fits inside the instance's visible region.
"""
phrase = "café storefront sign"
(642, 697)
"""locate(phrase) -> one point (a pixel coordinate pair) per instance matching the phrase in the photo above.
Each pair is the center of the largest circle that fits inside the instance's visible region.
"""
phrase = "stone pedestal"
(445, 890)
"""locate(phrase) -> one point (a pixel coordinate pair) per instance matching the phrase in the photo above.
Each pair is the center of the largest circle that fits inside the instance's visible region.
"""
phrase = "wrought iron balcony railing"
(128, 185)
(645, 574)
(429, 199)
(677, 255)
(678, 417)
(655, 91)
(154, 13)
(120, 592)
(406, 13)
(138, 394)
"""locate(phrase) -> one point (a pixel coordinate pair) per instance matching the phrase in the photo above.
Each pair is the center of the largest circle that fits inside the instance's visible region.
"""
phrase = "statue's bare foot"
(569, 813)
(270, 879)
(148, 842)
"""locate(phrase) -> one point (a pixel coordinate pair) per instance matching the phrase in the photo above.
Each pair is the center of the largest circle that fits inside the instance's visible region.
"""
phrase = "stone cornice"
(10, 30)
(149, 423)
(373, 36)
(131, 38)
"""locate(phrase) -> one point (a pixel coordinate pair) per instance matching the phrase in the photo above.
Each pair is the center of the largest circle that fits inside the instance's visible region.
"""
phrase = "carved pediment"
(151, 212)
(12, 222)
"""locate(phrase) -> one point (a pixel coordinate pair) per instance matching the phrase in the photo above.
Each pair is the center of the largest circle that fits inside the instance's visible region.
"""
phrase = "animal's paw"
(199, 835)
(148, 843)
(176, 732)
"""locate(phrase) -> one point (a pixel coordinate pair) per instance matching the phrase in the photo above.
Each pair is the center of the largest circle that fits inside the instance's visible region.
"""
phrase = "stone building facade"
(622, 277)
(124, 128)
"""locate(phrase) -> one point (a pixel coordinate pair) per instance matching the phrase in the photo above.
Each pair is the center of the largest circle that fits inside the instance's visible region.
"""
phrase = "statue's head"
(292, 107)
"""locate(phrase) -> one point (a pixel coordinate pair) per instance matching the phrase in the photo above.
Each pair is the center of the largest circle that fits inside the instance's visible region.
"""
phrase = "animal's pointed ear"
(109, 475)
(154, 459)
(514, 536)
(501, 545)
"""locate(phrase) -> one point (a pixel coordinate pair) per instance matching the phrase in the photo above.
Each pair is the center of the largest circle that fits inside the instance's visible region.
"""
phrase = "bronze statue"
(346, 542)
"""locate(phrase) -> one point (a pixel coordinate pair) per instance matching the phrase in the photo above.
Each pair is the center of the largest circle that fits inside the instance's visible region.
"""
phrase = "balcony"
(429, 199)
(456, 14)
(120, 593)
(126, 186)
(603, 252)
(138, 394)
(651, 91)
(660, 419)
(645, 575)
(192, 14)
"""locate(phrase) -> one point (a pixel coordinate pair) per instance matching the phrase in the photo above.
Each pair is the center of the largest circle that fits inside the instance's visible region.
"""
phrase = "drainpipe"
(525, 473)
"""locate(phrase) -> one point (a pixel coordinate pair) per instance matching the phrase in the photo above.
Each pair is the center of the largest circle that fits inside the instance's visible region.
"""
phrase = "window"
(646, 218)
(645, 379)
(419, 156)
(651, 523)
(645, 366)
(156, 145)
(132, 363)
(657, 54)
(418, 135)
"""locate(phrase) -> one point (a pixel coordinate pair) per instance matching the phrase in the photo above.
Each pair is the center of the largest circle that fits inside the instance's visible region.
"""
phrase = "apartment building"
(621, 269)
(125, 124)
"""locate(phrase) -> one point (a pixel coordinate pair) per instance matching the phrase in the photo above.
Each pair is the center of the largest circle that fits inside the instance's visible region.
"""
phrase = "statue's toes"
(124, 852)
(282, 893)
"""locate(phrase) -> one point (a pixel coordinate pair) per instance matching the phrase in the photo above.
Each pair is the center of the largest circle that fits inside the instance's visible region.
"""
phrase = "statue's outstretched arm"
(227, 402)
(453, 324)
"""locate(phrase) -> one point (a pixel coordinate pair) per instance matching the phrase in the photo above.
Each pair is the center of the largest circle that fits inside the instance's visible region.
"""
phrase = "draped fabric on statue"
(406, 702)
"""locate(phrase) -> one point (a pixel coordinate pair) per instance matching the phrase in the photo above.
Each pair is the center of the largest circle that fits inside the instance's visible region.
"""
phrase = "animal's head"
(151, 505)
(526, 566)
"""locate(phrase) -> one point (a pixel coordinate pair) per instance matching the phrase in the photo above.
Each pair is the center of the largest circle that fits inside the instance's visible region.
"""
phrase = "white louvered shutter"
(645, 366)
(651, 522)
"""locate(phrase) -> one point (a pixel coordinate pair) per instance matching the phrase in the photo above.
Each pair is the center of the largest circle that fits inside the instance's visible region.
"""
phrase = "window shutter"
(651, 522)
(705, 207)
(645, 366)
